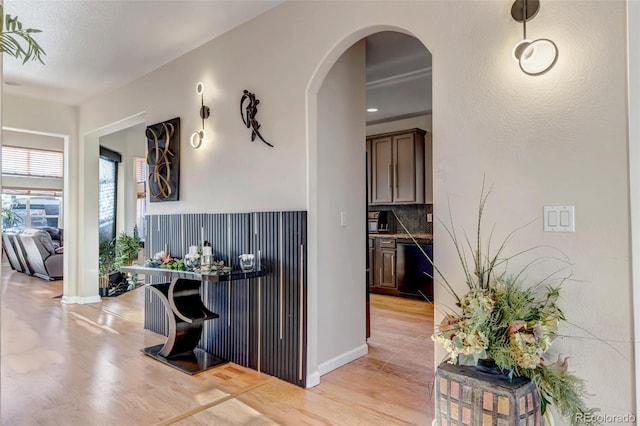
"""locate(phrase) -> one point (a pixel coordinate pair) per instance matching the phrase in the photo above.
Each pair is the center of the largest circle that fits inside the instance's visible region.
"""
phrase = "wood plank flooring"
(82, 365)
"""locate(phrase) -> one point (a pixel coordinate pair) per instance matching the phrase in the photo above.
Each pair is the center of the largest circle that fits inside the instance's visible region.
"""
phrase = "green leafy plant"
(127, 248)
(106, 256)
(18, 41)
(505, 320)
(10, 218)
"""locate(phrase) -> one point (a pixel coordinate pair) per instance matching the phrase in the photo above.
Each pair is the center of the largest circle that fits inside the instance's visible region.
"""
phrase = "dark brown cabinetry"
(382, 266)
(372, 261)
(397, 167)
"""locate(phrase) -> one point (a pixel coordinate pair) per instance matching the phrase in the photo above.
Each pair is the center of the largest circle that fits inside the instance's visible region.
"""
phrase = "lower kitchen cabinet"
(372, 261)
(383, 268)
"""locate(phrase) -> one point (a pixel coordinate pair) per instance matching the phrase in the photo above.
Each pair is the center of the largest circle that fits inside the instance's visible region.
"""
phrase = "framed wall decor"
(163, 158)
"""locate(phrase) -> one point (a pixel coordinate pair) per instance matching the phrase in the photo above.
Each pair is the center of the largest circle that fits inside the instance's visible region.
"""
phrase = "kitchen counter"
(421, 237)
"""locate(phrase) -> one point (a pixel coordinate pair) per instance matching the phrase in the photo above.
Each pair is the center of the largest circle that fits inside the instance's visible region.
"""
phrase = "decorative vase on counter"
(247, 262)
(192, 259)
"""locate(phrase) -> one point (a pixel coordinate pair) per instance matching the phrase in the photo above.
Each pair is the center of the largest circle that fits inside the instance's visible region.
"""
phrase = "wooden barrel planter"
(480, 397)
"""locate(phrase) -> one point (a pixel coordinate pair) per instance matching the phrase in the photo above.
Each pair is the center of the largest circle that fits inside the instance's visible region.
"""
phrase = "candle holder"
(206, 262)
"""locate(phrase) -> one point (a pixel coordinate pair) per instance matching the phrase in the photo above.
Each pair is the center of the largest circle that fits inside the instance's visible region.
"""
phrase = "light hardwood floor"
(82, 365)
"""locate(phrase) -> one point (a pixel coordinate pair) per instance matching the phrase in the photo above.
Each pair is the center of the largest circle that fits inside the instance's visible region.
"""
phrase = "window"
(107, 193)
(140, 173)
(25, 208)
(31, 162)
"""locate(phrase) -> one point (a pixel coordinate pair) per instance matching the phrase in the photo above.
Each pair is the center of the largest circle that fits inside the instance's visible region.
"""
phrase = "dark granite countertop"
(419, 236)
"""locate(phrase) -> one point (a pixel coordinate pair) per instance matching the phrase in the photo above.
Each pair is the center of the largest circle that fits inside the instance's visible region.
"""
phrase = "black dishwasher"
(415, 271)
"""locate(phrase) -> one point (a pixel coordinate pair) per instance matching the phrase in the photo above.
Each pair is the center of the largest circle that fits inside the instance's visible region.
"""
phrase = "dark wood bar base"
(186, 316)
(191, 363)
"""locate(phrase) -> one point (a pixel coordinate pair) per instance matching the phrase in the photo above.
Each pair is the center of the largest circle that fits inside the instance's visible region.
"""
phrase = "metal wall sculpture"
(163, 158)
(248, 114)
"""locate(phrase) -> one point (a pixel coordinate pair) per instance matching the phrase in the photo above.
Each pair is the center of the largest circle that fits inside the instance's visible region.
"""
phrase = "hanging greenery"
(18, 42)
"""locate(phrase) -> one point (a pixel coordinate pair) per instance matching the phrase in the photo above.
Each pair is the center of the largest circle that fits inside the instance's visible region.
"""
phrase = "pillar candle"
(206, 251)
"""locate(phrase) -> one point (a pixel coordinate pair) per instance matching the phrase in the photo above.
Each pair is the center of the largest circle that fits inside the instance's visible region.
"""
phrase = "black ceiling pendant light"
(534, 57)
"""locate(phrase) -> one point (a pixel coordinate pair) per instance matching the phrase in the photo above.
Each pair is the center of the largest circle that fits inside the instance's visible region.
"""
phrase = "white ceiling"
(95, 46)
(398, 77)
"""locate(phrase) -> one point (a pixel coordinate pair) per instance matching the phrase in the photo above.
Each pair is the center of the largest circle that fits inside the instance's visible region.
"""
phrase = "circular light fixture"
(196, 138)
(198, 135)
(200, 88)
(372, 109)
(536, 57)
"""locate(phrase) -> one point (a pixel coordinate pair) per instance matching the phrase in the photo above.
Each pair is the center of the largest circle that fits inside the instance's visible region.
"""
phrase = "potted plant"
(127, 247)
(503, 327)
(12, 37)
(106, 265)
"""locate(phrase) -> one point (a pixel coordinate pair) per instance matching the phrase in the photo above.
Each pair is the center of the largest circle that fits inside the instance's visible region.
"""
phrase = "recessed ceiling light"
(372, 109)
(12, 83)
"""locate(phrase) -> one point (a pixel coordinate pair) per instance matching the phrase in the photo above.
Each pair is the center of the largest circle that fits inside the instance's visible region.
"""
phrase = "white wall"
(30, 140)
(560, 138)
(341, 187)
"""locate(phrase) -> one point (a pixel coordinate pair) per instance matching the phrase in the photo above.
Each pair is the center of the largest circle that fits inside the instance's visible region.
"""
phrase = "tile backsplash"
(413, 216)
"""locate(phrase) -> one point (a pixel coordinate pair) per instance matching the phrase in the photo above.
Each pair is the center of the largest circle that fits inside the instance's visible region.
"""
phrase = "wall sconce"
(534, 57)
(198, 136)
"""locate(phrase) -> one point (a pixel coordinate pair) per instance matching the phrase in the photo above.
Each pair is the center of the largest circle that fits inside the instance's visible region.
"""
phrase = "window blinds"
(31, 162)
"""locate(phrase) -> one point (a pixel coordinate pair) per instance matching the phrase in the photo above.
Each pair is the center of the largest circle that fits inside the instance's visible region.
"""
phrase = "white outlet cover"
(559, 219)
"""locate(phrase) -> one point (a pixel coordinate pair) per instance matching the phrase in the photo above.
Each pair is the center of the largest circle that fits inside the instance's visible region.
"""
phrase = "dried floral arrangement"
(512, 323)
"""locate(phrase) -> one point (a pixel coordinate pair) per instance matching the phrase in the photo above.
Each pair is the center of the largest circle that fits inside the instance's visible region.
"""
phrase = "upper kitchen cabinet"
(398, 173)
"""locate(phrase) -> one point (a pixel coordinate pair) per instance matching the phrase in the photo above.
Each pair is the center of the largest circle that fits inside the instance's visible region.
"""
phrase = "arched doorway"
(337, 226)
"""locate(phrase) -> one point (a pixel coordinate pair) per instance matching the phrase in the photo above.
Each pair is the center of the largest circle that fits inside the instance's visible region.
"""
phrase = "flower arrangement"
(502, 319)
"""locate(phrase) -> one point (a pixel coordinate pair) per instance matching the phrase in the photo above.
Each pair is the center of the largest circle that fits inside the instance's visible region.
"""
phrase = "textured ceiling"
(95, 46)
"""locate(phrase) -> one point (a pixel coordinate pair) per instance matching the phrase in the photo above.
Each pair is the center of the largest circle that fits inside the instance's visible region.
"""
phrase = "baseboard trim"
(343, 359)
(70, 300)
(313, 379)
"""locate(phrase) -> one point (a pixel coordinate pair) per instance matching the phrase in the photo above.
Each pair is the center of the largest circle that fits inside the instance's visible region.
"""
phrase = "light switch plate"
(343, 218)
(559, 219)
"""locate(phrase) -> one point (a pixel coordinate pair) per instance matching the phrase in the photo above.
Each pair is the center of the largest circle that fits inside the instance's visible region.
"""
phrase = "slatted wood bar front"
(262, 323)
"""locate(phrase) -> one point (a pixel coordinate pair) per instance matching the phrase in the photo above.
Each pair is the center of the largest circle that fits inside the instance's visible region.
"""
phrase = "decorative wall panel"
(262, 322)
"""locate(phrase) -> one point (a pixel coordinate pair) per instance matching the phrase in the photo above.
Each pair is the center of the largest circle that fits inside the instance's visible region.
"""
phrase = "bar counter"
(186, 313)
